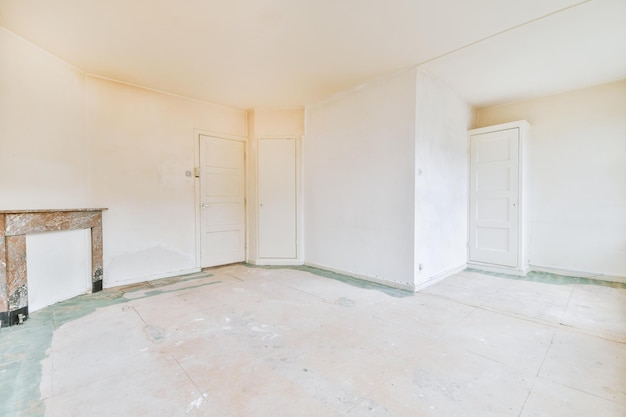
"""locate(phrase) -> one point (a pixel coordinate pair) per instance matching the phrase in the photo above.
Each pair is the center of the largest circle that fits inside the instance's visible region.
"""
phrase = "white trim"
(196, 184)
(275, 262)
(155, 90)
(151, 277)
(255, 259)
(400, 286)
(550, 270)
(524, 220)
(299, 259)
(440, 276)
(503, 126)
(579, 274)
(198, 213)
(299, 202)
(498, 269)
(219, 135)
(278, 136)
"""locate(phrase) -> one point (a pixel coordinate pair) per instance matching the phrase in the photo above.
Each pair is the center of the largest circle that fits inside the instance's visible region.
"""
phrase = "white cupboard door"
(222, 202)
(494, 198)
(277, 199)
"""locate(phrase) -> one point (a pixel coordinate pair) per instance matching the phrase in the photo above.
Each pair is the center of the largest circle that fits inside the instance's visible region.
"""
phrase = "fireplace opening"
(58, 265)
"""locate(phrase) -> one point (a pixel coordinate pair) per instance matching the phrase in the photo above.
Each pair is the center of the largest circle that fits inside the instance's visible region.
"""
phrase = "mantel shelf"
(15, 211)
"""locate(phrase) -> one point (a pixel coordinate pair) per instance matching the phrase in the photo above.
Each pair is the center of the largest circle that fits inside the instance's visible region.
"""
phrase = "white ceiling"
(266, 53)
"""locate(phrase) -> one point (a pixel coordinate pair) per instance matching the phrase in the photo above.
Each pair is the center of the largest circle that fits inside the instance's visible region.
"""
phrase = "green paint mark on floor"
(346, 279)
(152, 293)
(549, 278)
(22, 348)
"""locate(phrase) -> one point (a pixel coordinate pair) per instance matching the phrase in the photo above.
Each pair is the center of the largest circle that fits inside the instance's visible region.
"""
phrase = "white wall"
(441, 180)
(68, 140)
(279, 122)
(578, 173)
(42, 129)
(141, 145)
(358, 172)
(43, 161)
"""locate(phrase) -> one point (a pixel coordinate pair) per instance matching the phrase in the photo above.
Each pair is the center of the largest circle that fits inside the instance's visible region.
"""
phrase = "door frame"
(196, 175)
(514, 226)
(524, 183)
(296, 203)
(254, 258)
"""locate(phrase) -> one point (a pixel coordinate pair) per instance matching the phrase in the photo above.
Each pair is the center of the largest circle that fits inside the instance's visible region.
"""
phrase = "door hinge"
(196, 172)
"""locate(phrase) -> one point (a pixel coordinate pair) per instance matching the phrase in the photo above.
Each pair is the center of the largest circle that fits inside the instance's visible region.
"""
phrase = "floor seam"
(187, 375)
(545, 356)
(571, 294)
(233, 276)
(555, 325)
(380, 354)
(622, 404)
(137, 312)
(302, 291)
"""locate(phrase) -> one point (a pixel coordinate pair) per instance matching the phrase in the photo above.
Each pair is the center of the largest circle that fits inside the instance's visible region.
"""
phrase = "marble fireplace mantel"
(14, 226)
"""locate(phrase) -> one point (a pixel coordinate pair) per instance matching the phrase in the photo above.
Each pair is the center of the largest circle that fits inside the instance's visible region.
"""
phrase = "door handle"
(206, 206)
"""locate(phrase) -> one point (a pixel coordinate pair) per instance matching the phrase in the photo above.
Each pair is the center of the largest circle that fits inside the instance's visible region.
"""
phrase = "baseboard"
(440, 276)
(276, 262)
(151, 277)
(400, 286)
(578, 274)
(498, 269)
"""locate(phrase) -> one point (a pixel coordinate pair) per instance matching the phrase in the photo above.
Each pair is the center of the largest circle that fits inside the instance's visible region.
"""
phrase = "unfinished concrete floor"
(242, 341)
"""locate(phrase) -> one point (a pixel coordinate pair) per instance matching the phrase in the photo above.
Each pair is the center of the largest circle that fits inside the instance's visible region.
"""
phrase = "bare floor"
(242, 341)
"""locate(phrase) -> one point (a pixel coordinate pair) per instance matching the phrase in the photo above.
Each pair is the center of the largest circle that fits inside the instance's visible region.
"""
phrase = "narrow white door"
(277, 198)
(494, 198)
(222, 201)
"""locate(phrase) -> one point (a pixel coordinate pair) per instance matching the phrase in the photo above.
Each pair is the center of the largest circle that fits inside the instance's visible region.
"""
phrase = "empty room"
(311, 208)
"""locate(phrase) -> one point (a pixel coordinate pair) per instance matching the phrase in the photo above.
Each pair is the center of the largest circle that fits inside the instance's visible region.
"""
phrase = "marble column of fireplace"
(14, 226)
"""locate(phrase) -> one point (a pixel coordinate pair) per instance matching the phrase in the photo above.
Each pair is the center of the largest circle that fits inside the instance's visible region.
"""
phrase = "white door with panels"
(222, 201)
(495, 206)
(277, 199)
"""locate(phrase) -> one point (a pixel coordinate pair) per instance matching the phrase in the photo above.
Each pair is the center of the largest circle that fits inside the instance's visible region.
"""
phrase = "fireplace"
(14, 226)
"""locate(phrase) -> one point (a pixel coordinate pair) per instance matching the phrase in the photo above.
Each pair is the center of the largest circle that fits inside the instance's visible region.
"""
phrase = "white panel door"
(277, 198)
(222, 202)
(494, 198)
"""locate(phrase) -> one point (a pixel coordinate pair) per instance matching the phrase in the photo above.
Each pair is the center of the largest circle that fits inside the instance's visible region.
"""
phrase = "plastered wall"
(441, 180)
(578, 177)
(42, 128)
(43, 163)
(71, 140)
(286, 122)
(386, 181)
(358, 172)
(141, 145)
